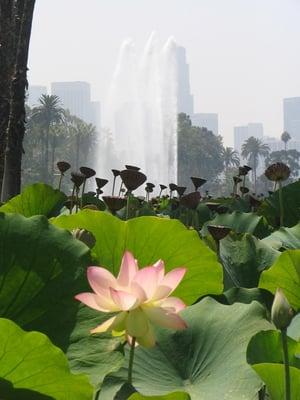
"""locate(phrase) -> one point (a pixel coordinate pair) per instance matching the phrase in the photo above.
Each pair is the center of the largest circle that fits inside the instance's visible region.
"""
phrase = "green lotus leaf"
(42, 267)
(284, 274)
(151, 239)
(244, 257)
(285, 238)
(206, 361)
(293, 330)
(246, 296)
(36, 199)
(172, 396)
(32, 367)
(291, 204)
(265, 355)
(241, 222)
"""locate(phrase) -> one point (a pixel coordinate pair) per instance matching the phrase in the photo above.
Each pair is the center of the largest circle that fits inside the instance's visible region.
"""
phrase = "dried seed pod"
(277, 172)
(173, 187)
(84, 236)
(132, 167)
(218, 232)
(132, 178)
(180, 190)
(236, 179)
(63, 166)
(115, 172)
(190, 200)
(114, 203)
(87, 172)
(100, 182)
(244, 189)
(198, 182)
(77, 178)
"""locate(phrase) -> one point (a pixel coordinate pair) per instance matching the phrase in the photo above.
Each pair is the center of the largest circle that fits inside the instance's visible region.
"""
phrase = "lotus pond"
(182, 307)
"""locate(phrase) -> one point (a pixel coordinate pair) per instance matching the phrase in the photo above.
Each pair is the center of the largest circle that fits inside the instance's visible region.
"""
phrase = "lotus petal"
(148, 279)
(163, 318)
(123, 300)
(128, 269)
(100, 280)
(169, 283)
(137, 323)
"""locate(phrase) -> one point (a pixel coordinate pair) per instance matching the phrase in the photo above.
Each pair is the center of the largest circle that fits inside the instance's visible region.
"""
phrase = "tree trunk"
(254, 170)
(77, 151)
(7, 60)
(46, 155)
(53, 158)
(16, 124)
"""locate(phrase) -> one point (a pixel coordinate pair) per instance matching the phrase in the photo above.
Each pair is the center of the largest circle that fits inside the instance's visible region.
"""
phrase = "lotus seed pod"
(84, 236)
(281, 313)
(277, 172)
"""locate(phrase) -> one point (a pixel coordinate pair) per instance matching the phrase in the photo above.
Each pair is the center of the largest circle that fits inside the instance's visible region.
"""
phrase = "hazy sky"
(244, 55)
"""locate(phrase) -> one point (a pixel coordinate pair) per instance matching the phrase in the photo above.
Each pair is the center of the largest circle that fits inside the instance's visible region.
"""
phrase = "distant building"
(34, 93)
(242, 133)
(96, 114)
(185, 98)
(276, 144)
(206, 120)
(76, 97)
(291, 116)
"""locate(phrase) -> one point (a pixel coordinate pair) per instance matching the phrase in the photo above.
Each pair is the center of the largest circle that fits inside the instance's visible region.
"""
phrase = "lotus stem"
(72, 197)
(113, 188)
(82, 193)
(121, 187)
(131, 356)
(287, 382)
(127, 205)
(60, 181)
(77, 197)
(281, 210)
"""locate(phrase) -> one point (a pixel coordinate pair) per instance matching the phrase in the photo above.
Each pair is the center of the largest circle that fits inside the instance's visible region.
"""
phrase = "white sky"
(244, 55)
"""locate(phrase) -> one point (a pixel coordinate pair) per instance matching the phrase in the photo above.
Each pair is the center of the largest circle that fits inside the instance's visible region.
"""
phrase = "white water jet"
(142, 112)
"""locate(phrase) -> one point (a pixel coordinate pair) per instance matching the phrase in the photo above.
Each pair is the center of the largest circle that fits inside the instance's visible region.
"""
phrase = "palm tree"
(47, 114)
(85, 138)
(230, 157)
(252, 149)
(285, 137)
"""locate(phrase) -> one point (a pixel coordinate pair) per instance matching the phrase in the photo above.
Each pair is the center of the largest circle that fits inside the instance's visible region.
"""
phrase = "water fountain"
(142, 112)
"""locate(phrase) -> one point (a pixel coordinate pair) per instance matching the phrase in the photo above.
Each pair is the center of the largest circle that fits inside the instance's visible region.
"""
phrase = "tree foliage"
(54, 134)
(199, 152)
(252, 150)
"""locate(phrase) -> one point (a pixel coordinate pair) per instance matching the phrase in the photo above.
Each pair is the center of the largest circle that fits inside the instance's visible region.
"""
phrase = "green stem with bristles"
(281, 210)
(287, 380)
(131, 356)
(60, 180)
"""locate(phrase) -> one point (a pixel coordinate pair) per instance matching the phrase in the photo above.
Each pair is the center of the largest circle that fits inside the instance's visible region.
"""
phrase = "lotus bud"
(281, 313)
(84, 236)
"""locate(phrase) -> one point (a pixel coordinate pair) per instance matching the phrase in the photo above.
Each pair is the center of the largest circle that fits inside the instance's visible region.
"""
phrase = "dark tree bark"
(7, 60)
(16, 124)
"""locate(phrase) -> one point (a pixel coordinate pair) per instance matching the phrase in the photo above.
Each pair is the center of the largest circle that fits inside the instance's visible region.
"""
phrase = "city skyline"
(242, 55)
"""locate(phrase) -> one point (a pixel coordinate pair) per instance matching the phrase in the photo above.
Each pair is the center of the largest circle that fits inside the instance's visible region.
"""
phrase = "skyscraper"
(75, 96)
(291, 116)
(206, 120)
(185, 98)
(242, 133)
(34, 93)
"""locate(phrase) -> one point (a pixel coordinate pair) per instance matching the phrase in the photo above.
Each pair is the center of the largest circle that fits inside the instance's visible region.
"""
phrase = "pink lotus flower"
(139, 297)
